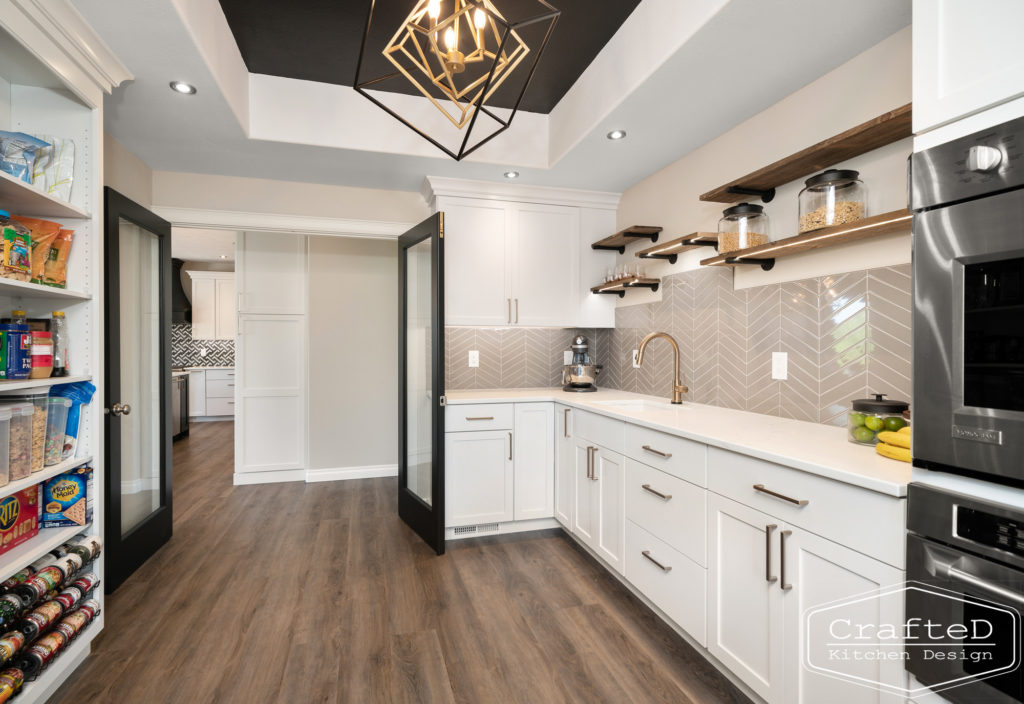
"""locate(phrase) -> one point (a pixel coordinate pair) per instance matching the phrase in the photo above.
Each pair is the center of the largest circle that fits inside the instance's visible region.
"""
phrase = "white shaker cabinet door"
(204, 308)
(565, 466)
(967, 57)
(534, 460)
(476, 267)
(478, 477)
(545, 264)
(585, 509)
(197, 393)
(609, 477)
(745, 599)
(224, 315)
(271, 273)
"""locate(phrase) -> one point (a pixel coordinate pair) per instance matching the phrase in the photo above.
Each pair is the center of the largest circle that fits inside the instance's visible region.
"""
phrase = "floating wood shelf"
(619, 240)
(882, 130)
(766, 254)
(620, 286)
(671, 250)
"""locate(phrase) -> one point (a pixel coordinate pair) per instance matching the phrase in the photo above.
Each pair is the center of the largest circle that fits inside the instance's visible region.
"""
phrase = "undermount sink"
(639, 404)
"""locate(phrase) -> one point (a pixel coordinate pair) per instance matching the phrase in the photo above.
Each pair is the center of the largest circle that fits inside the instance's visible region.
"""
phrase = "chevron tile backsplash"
(185, 352)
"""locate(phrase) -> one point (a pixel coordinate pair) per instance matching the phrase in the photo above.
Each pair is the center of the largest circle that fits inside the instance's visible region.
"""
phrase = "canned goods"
(82, 551)
(69, 598)
(74, 561)
(51, 575)
(94, 544)
(10, 608)
(10, 644)
(92, 607)
(42, 652)
(74, 622)
(13, 675)
(86, 582)
(17, 578)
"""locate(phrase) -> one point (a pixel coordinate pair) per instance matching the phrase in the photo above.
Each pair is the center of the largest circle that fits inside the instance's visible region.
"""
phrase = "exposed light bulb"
(479, 18)
(434, 9)
(449, 38)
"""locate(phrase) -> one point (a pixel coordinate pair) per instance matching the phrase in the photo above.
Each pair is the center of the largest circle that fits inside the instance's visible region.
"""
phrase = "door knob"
(120, 409)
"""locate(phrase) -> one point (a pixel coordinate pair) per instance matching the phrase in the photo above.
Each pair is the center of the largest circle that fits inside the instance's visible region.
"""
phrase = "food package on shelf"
(17, 252)
(67, 499)
(18, 153)
(80, 393)
(55, 167)
(19, 518)
(43, 233)
(55, 269)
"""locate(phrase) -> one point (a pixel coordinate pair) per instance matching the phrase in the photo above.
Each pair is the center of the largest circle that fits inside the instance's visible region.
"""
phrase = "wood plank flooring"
(319, 593)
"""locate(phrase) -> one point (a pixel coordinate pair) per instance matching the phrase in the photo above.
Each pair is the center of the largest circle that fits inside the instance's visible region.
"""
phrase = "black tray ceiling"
(318, 40)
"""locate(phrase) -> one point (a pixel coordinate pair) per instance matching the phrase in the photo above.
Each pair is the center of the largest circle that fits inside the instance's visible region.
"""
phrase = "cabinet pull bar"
(590, 465)
(508, 315)
(480, 418)
(768, 553)
(782, 560)
(517, 311)
(664, 568)
(659, 453)
(648, 489)
(798, 502)
(593, 464)
(565, 423)
(510, 446)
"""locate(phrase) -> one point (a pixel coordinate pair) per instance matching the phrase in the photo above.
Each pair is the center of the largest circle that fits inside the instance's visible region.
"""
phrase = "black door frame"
(426, 520)
(125, 554)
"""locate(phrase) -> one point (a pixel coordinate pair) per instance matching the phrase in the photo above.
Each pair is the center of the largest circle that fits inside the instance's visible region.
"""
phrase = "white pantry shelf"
(31, 550)
(39, 383)
(26, 289)
(42, 475)
(20, 198)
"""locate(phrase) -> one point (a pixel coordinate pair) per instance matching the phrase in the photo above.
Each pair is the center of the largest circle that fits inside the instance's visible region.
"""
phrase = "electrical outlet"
(780, 365)
(567, 357)
(474, 358)
(636, 353)
(203, 351)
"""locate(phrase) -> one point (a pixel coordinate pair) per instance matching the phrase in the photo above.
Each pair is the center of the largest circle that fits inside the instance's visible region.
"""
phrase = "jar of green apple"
(871, 416)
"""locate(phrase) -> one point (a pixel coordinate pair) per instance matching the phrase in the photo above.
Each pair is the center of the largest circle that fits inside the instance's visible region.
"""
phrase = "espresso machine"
(581, 374)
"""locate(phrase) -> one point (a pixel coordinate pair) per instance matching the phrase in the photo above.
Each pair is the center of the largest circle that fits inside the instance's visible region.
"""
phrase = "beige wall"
(253, 195)
(126, 173)
(866, 86)
(353, 352)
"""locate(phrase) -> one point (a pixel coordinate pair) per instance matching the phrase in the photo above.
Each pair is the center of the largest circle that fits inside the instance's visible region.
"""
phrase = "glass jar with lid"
(833, 197)
(744, 225)
(870, 416)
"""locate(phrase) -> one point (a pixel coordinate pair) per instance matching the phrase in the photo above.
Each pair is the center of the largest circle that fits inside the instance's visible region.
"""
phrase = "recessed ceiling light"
(617, 134)
(223, 256)
(511, 174)
(182, 87)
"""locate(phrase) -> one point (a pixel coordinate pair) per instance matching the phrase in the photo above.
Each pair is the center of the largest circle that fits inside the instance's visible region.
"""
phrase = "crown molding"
(434, 186)
(273, 222)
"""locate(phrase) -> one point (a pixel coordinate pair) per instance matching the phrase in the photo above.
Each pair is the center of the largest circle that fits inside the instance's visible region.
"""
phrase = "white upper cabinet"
(213, 305)
(967, 57)
(545, 265)
(476, 259)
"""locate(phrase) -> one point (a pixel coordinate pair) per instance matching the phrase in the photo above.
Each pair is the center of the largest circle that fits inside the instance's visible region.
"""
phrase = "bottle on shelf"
(59, 329)
(19, 317)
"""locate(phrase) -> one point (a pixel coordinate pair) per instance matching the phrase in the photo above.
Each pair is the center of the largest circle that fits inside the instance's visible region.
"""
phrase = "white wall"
(874, 82)
(126, 173)
(353, 352)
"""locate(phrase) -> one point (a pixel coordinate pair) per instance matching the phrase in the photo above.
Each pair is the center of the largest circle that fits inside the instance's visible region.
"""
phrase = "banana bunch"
(895, 445)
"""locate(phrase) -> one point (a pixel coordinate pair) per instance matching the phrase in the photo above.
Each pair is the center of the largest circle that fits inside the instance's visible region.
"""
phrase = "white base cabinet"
(565, 466)
(478, 477)
(534, 461)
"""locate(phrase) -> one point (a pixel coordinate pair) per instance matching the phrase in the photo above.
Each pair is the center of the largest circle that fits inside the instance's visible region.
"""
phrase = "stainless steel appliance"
(179, 406)
(968, 318)
(581, 375)
(965, 567)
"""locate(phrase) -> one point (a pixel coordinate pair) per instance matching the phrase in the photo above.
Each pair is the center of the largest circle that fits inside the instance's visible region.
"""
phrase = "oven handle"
(960, 576)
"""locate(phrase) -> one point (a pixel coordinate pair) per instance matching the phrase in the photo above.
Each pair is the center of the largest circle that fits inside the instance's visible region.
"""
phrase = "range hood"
(181, 308)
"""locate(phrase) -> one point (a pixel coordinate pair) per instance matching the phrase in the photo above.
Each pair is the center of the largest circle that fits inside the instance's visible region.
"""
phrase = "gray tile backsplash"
(845, 335)
(186, 352)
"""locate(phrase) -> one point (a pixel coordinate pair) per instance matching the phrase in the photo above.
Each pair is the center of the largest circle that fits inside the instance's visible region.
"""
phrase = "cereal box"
(67, 499)
(19, 518)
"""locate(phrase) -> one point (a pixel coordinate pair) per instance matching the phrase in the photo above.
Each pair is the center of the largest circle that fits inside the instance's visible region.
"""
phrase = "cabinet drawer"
(679, 520)
(600, 430)
(680, 457)
(220, 388)
(220, 407)
(860, 519)
(679, 587)
(220, 374)
(479, 416)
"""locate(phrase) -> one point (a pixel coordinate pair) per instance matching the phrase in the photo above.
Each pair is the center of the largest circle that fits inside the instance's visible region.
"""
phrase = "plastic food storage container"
(870, 416)
(56, 421)
(833, 197)
(744, 225)
(20, 450)
(5, 439)
(38, 401)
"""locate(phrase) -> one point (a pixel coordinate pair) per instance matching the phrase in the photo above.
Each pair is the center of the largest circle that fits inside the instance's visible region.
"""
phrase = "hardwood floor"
(319, 593)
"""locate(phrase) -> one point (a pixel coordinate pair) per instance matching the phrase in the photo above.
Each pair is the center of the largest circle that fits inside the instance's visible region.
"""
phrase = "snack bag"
(55, 270)
(55, 166)
(44, 232)
(67, 499)
(17, 257)
(18, 154)
(81, 394)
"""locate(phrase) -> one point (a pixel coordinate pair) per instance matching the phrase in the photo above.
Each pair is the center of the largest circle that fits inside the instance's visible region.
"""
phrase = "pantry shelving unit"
(671, 250)
(54, 71)
(619, 287)
(618, 241)
(766, 254)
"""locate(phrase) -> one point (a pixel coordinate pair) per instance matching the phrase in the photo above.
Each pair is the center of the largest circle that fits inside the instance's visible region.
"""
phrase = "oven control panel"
(990, 530)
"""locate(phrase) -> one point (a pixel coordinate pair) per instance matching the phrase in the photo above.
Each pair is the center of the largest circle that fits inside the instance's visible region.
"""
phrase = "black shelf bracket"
(653, 235)
(620, 250)
(620, 294)
(765, 194)
(766, 264)
(670, 258)
(653, 287)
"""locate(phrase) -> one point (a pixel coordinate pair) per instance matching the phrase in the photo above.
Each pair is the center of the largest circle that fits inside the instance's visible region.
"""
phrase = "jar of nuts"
(833, 197)
(744, 225)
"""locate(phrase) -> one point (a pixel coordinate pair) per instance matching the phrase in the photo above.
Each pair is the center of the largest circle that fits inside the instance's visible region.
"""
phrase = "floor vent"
(483, 529)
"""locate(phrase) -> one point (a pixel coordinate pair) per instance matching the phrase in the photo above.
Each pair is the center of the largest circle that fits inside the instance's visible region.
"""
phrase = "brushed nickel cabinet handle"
(649, 490)
(768, 553)
(650, 449)
(480, 418)
(510, 446)
(664, 568)
(593, 464)
(565, 423)
(508, 314)
(590, 465)
(798, 502)
(782, 560)
(517, 311)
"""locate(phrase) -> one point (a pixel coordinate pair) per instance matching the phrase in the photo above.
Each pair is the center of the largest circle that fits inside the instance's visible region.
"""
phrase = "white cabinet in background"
(545, 264)
(478, 477)
(476, 259)
(213, 305)
(197, 392)
(211, 393)
(966, 57)
(534, 461)
(565, 466)
(599, 512)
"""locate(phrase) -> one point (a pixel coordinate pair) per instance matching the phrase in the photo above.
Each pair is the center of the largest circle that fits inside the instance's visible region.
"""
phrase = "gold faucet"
(677, 382)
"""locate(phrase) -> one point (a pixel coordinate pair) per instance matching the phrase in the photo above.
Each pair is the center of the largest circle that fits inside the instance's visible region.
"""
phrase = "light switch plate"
(780, 365)
(567, 357)
(474, 358)
(636, 353)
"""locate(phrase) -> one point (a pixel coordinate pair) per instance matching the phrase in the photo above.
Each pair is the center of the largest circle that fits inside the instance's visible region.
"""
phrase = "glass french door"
(137, 257)
(421, 380)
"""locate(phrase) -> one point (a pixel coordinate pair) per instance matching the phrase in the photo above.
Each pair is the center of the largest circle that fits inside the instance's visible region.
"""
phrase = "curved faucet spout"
(677, 381)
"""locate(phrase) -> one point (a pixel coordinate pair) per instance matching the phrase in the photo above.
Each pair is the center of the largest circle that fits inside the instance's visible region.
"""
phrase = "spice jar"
(833, 197)
(870, 416)
(42, 355)
(744, 225)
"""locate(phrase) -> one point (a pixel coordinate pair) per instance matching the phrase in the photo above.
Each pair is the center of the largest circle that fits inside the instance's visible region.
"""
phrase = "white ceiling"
(749, 55)
(195, 245)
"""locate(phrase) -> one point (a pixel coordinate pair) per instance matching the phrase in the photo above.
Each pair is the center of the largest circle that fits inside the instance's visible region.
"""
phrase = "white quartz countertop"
(196, 369)
(810, 447)
(175, 375)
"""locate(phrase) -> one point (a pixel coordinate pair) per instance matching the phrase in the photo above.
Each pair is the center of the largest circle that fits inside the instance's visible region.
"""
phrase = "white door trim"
(276, 222)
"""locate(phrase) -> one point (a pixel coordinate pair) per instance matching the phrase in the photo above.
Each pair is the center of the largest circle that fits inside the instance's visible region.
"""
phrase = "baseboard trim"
(504, 528)
(209, 419)
(273, 476)
(333, 474)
